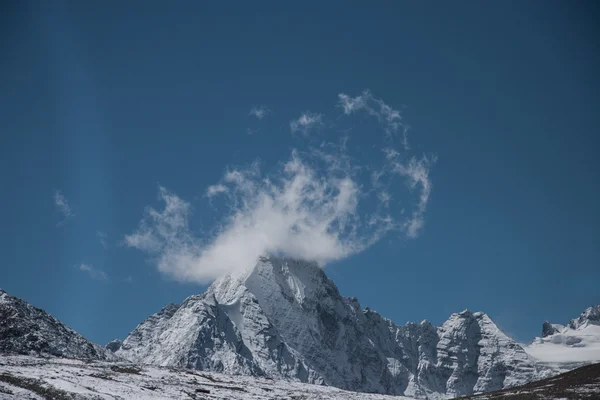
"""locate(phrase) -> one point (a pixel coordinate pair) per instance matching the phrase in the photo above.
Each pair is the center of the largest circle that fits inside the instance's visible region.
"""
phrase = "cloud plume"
(320, 204)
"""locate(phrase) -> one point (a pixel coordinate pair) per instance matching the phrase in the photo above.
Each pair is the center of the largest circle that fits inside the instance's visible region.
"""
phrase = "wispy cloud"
(259, 112)
(94, 273)
(390, 118)
(315, 205)
(102, 238)
(306, 122)
(417, 172)
(62, 206)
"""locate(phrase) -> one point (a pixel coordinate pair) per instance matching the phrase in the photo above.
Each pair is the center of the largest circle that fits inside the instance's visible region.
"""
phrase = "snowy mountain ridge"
(286, 319)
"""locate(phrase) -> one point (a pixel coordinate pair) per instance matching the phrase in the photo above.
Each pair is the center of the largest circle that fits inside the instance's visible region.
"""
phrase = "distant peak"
(114, 345)
(591, 316)
(548, 329)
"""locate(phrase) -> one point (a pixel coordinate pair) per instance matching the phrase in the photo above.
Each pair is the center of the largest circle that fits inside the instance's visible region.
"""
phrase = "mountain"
(285, 318)
(25, 329)
(564, 347)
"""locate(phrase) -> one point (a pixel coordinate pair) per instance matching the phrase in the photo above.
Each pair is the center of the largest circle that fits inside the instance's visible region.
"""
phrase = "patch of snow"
(580, 345)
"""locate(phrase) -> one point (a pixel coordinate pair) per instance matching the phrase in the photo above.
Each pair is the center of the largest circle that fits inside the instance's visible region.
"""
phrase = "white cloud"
(259, 112)
(300, 213)
(158, 229)
(316, 206)
(306, 122)
(94, 273)
(62, 206)
(390, 118)
(102, 238)
(215, 190)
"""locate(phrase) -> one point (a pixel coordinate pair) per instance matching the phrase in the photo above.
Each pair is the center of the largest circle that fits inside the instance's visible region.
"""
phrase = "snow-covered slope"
(24, 377)
(25, 329)
(564, 347)
(285, 318)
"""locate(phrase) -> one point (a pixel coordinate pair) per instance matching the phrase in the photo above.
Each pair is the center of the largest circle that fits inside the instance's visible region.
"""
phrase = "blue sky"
(102, 106)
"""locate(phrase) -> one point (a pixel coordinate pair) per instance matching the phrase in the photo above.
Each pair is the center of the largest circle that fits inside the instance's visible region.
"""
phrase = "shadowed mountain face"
(25, 329)
(285, 318)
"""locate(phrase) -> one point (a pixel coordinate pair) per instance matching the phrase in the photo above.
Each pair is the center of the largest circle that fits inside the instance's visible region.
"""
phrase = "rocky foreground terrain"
(35, 378)
(26, 377)
(579, 384)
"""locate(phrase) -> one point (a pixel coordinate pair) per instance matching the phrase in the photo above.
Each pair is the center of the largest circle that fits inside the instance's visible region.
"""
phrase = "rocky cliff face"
(285, 318)
(25, 329)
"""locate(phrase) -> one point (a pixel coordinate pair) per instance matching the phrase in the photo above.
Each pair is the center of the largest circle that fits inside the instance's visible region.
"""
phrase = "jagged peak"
(549, 328)
(464, 314)
(591, 316)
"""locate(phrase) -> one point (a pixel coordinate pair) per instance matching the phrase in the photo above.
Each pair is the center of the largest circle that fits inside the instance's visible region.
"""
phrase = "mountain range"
(286, 319)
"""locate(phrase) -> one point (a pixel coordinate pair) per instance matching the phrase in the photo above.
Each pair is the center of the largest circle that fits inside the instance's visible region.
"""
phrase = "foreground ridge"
(579, 384)
(26, 377)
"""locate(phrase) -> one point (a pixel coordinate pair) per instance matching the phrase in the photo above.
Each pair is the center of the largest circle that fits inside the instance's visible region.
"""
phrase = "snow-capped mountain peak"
(591, 316)
(286, 318)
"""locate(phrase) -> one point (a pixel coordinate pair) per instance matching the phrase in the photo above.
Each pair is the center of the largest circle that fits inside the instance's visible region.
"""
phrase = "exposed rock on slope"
(25, 329)
(285, 318)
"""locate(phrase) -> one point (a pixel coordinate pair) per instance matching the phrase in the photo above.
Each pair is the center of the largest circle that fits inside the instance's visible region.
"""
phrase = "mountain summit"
(285, 318)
